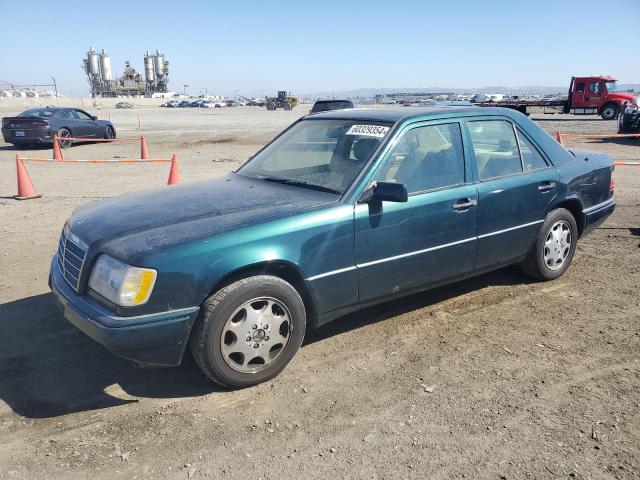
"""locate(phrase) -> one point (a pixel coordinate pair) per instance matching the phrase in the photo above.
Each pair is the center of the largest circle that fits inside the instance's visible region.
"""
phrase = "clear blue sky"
(325, 45)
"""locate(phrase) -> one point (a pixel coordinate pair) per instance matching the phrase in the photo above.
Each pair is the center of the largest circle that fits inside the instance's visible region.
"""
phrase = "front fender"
(313, 244)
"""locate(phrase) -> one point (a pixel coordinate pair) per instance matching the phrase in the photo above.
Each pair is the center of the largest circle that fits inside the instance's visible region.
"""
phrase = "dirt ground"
(498, 377)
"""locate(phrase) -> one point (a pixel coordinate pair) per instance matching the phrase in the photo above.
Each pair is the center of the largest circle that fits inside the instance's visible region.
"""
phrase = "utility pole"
(184, 89)
(55, 87)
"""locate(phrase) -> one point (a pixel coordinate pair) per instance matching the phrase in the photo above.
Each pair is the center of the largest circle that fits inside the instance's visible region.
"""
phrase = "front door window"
(426, 158)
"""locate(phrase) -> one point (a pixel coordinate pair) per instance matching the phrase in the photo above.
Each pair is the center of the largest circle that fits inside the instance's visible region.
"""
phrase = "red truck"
(587, 96)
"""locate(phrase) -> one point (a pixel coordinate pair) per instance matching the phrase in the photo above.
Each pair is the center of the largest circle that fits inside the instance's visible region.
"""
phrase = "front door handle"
(546, 186)
(464, 204)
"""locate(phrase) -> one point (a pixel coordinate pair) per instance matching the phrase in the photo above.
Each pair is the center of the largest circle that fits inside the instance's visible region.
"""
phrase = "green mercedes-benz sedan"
(343, 209)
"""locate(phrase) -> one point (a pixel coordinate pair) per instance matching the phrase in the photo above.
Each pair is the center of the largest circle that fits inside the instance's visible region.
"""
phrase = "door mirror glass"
(93, 117)
(385, 191)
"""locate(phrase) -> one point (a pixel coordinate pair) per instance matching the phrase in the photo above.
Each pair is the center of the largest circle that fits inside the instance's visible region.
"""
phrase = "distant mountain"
(527, 90)
(630, 86)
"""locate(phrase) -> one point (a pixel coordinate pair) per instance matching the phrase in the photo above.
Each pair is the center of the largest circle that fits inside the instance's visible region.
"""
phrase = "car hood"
(130, 224)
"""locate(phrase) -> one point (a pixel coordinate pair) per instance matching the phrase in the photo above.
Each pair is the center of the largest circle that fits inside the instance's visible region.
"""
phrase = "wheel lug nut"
(266, 327)
(255, 345)
(248, 339)
(254, 327)
(266, 338)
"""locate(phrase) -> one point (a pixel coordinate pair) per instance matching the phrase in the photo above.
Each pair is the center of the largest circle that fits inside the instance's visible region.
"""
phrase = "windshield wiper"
(300, 183)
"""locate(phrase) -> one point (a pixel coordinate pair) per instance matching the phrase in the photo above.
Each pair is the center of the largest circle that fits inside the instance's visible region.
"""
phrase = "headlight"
(120, 283)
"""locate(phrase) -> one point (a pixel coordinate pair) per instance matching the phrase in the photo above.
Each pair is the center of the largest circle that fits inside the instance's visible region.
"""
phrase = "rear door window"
(495, 147)
(69, 114)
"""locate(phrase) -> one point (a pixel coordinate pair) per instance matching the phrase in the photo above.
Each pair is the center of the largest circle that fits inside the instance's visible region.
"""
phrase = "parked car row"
(201, 103)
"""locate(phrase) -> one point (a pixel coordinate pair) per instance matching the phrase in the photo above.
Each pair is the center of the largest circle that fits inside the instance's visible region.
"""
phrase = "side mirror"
(384, 191)
(94, 117)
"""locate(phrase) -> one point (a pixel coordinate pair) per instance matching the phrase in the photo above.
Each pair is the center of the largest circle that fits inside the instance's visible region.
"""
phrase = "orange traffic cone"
(559, 138)
(57, 152)
(174, 174)
(25, 187)
(144, 153)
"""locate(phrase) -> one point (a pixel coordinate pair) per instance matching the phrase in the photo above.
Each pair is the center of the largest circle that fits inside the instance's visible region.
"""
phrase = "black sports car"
(39, 125)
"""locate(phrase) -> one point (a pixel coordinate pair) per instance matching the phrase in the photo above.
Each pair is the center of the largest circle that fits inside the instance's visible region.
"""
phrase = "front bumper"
(149, 340)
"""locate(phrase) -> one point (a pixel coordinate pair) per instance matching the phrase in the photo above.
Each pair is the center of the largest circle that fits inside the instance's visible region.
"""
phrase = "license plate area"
(19, 134)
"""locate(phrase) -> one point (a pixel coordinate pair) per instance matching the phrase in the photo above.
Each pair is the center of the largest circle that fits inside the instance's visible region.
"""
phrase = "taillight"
(611, 185)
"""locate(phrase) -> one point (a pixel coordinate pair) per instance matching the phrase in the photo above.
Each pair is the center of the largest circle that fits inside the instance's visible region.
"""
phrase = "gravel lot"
(495, 377)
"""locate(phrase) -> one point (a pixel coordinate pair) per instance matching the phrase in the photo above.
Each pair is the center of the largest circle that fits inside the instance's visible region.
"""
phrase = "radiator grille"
(71, 256)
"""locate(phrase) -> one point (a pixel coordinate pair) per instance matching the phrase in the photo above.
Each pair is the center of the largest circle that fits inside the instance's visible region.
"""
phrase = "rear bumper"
(597, 214)
(153, 340)
(31, 135)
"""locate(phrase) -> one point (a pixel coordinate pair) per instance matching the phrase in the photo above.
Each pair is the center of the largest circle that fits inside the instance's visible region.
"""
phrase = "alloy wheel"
(557, 245)
(256, 334)
(63, 135)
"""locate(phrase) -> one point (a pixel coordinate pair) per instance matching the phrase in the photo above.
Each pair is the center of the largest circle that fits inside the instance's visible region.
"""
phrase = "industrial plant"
(98, 69)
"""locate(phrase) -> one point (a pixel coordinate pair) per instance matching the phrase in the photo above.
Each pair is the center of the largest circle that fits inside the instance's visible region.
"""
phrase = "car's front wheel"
(554, 247)
(610, 111)
(249, 331)
(110, 132)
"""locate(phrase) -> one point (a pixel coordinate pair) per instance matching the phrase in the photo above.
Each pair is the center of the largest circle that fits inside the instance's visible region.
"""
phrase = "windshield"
(321, 154)
(38, 112)
(611, 86)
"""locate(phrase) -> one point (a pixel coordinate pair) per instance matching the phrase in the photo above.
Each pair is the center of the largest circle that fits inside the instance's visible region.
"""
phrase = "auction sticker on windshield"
(377, 131)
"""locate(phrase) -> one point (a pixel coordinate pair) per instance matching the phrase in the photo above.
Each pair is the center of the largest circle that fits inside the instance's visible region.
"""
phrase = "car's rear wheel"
(64, 133)
(249, 331)
(110, 132)
(554, 247)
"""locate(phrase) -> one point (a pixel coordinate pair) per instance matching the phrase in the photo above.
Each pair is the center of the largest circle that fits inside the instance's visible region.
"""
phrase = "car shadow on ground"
(569, 119)
(49, 368)
(41, 147)
(621, 141)
(22, 148)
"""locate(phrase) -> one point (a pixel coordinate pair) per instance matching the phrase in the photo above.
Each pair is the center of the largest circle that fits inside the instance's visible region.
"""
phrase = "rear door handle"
(464, 204)
(546, 186)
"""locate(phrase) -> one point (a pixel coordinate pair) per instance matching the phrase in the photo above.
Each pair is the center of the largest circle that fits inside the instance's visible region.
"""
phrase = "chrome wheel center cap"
(259, 335)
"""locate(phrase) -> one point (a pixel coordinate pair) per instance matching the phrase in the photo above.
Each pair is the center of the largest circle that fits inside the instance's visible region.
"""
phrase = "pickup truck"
(342, 210)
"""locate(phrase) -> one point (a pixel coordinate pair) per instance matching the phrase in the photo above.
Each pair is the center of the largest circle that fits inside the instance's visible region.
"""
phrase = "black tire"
(610, 111)
(109, 132)
(271, 106)
(64, 132)
(287, 106)
(535, 265)
(206, 338)
(625, 120)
